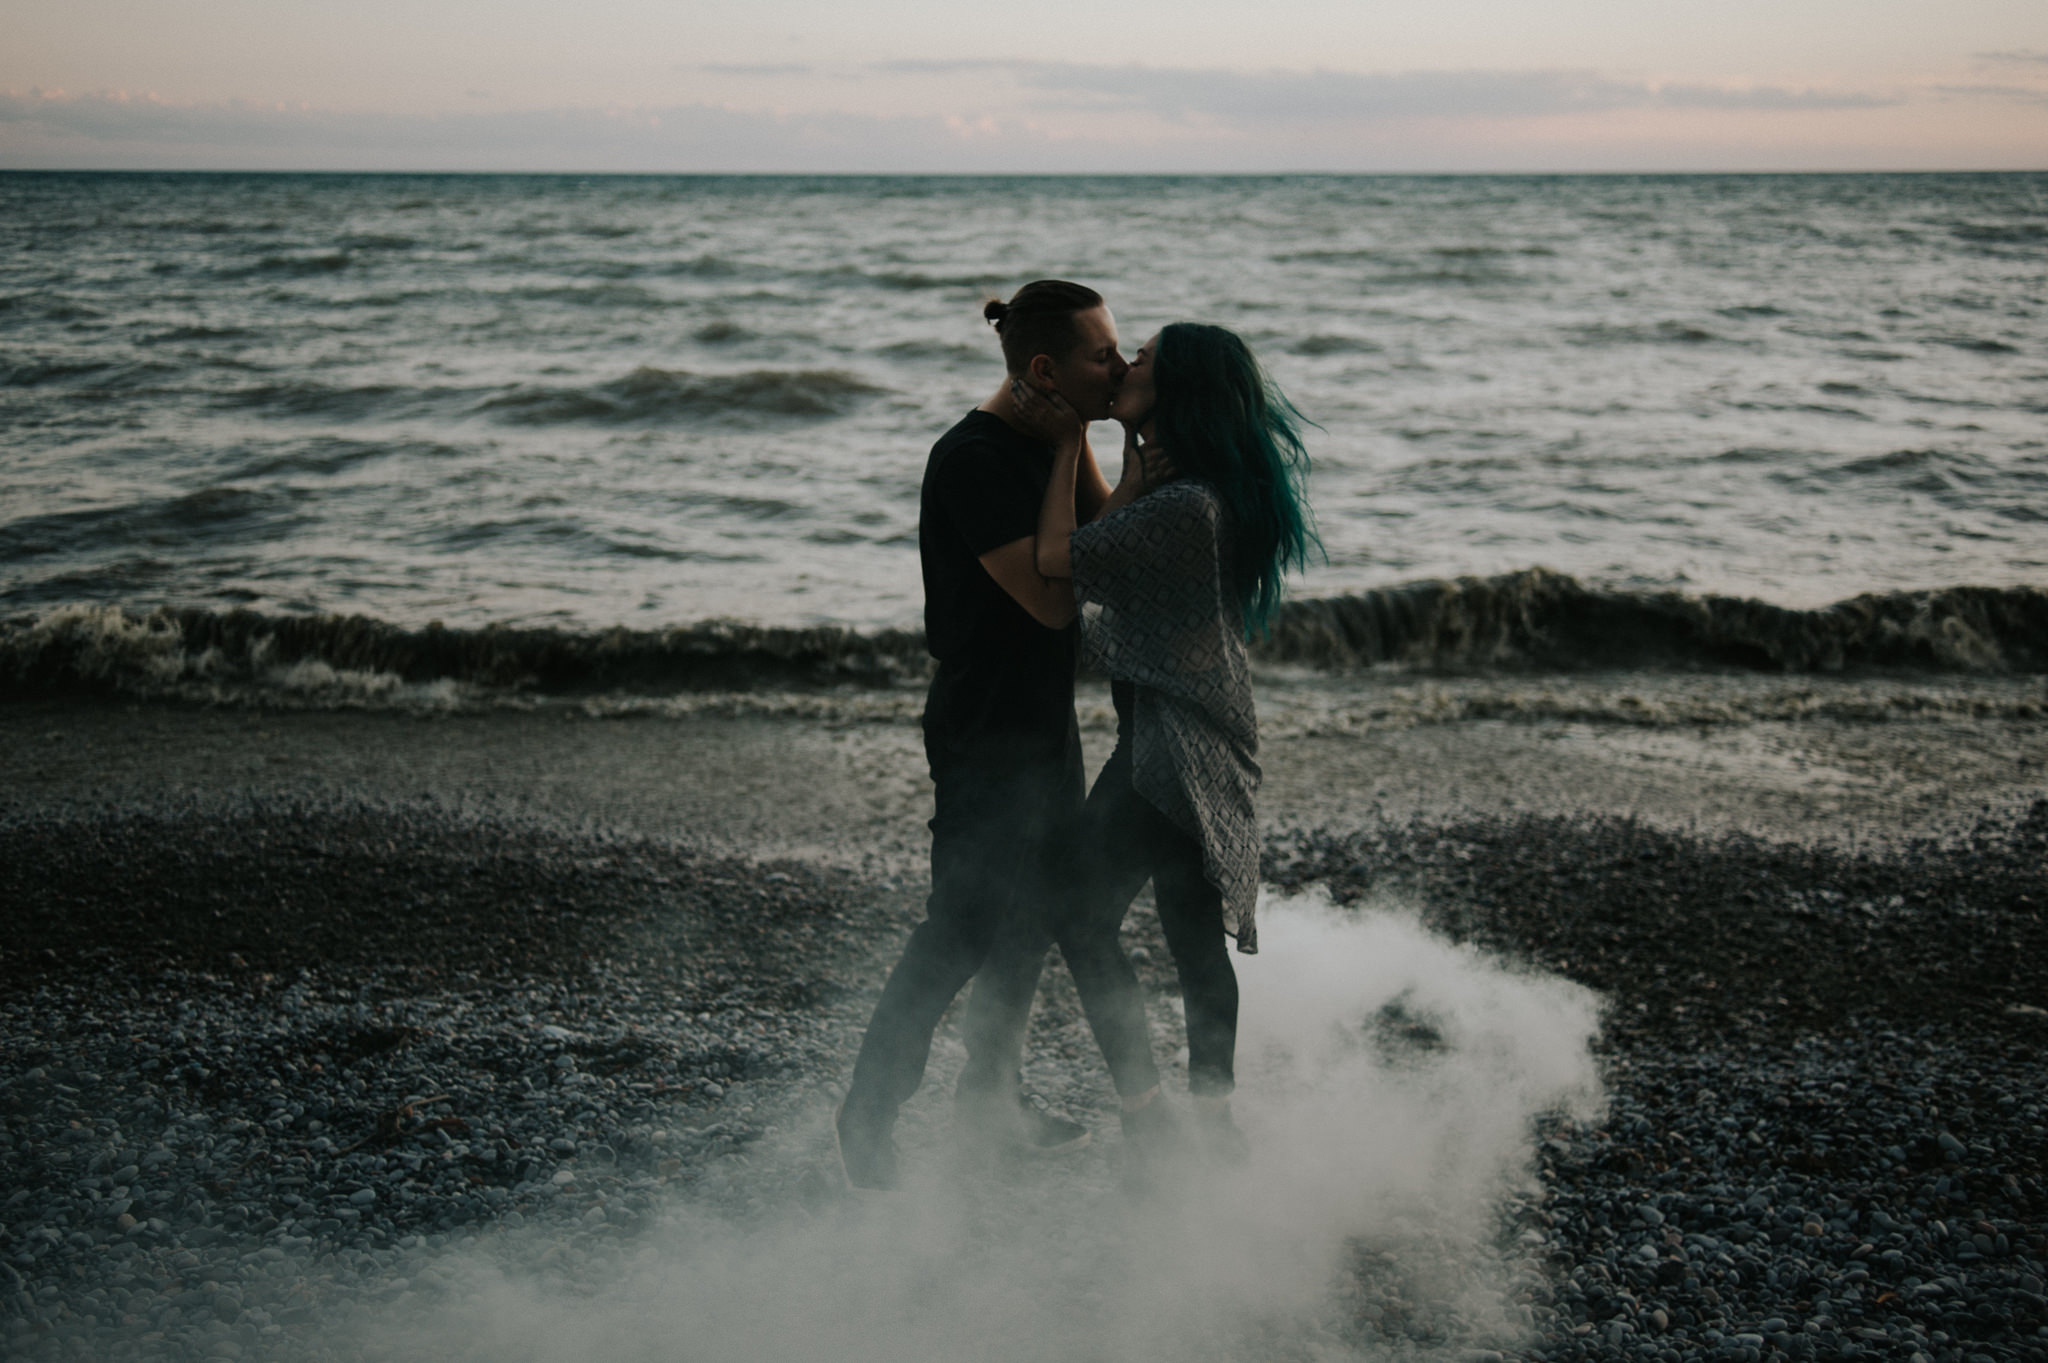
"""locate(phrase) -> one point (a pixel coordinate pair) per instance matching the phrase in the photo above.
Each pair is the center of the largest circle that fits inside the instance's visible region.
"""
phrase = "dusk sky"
(916, 85)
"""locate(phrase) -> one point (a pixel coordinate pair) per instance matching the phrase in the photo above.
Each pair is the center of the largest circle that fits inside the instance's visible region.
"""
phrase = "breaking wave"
(1541, 620)
(1521, 623)
(355, 659)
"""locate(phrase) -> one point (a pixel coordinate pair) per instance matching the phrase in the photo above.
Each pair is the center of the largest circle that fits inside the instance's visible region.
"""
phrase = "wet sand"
(855, 792)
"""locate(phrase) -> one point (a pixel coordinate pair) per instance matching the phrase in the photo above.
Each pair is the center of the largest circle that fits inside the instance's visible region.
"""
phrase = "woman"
(1183, 565)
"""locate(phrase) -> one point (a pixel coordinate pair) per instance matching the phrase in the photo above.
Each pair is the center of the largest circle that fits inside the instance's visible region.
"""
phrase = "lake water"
(591, 401)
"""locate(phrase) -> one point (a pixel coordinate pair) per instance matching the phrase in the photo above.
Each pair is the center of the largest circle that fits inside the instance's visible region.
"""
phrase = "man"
(1000, 736)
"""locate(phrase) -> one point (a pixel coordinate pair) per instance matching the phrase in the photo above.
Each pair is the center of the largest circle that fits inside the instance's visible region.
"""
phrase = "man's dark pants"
(1000, 814)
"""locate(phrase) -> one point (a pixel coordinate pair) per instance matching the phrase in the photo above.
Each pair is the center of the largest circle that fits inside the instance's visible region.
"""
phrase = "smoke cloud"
(1388, 1079)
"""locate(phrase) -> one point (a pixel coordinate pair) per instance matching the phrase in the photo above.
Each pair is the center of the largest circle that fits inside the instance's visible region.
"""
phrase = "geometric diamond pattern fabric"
(1157, 611)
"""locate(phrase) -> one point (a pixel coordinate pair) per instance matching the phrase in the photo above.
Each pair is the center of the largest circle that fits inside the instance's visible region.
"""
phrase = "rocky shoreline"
(262, 1067)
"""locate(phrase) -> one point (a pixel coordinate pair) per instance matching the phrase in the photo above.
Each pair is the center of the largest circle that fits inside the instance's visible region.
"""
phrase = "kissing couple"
(1033, 562)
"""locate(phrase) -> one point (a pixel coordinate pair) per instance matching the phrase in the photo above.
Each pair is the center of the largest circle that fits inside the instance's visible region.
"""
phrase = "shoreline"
(840, 777)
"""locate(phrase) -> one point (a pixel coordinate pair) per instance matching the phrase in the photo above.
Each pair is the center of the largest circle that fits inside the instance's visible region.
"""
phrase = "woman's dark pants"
(1124, 841)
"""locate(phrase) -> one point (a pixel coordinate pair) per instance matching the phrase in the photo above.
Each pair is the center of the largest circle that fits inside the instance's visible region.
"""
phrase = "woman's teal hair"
(1220, 418)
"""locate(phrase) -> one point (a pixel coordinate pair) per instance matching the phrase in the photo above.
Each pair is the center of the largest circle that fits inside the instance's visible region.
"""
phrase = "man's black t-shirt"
(1005, 682)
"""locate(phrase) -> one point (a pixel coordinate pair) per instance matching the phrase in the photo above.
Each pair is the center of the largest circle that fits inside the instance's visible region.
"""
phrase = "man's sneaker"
(1219, 1136)
(1045, 1131)
(867, 1157)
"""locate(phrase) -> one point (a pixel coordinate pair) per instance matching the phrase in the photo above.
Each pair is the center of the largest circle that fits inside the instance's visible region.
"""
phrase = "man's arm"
(1014, 566)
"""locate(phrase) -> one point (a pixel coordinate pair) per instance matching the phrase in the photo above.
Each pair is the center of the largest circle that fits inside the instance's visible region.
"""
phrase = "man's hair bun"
(1039, 320)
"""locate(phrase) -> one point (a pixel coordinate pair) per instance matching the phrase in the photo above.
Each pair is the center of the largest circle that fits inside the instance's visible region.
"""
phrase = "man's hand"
(1145, 468)
(1155, 466)
(1158, 465)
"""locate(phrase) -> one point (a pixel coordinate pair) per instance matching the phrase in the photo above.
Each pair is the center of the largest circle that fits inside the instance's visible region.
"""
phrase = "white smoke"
(1388, 1079)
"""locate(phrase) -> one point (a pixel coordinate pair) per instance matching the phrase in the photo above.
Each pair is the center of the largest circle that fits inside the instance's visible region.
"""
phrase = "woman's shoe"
(1219, 1136)
(1153, 1142)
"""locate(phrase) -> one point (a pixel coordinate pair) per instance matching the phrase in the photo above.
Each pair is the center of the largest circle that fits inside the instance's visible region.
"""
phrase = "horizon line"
(1020, 174)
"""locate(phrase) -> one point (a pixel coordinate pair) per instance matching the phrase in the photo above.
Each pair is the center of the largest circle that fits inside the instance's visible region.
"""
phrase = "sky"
(1050, 86)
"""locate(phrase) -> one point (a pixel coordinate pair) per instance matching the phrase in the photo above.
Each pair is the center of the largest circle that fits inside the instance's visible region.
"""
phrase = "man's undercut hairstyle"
(1039, 320)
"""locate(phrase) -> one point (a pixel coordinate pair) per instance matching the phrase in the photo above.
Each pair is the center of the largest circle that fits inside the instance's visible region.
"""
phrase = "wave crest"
(1539, 619)
(244, 654)
(1529, 622)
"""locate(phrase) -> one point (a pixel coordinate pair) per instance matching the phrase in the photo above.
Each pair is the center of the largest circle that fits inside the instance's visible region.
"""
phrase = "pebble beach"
(302, 1037)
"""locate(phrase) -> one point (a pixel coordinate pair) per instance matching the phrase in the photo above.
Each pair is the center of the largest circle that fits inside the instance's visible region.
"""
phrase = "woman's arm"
(1091, 489)
(1048, 600)
(1056, 513)
(1075, 476)
(1047, 597)
(1145, 468)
